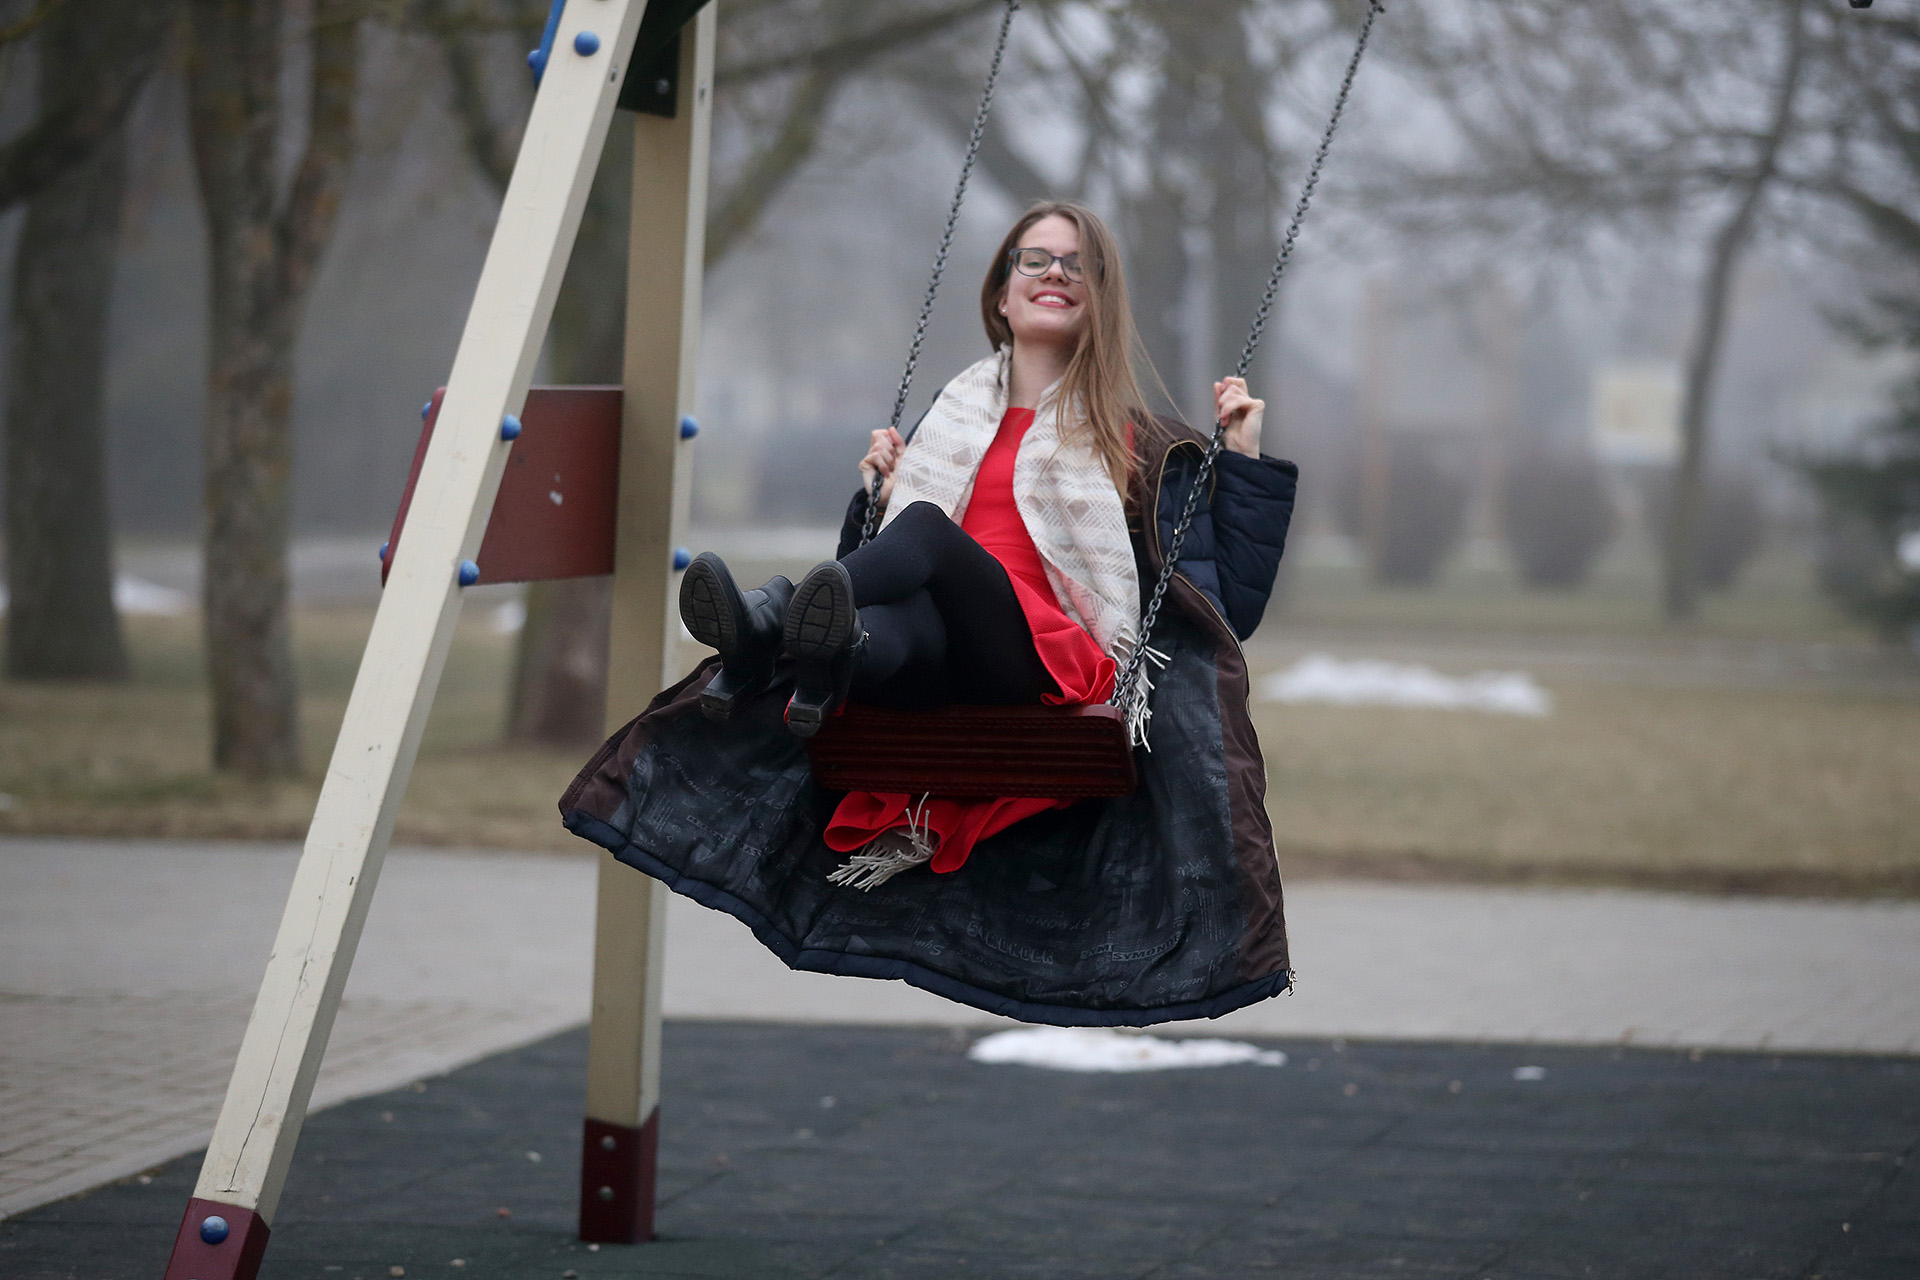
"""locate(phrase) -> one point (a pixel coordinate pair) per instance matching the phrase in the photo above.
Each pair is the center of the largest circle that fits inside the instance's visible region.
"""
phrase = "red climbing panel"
(554, 516)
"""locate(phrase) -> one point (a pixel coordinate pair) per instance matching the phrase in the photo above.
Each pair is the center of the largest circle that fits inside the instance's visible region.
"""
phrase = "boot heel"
(821, 690)
(823, 637)
(728, 691)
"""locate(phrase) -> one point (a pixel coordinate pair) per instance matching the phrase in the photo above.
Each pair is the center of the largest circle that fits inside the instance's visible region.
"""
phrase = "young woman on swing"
(1003, 572)
(1020, 522)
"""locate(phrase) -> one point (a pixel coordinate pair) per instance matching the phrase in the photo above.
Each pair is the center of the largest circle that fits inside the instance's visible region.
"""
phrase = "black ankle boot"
(824, 638)
(743, 625)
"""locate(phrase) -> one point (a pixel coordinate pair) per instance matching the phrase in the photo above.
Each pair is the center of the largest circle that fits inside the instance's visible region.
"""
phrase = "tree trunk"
(1243, 162)
(1244, 246)
(560, 667)
(61, 622)
(1682, 569)
(262, 253)
(71, 163)
(249, 502)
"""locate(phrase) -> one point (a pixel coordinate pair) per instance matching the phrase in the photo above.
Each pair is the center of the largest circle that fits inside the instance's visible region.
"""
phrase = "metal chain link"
(1123, 687)
(940, 259)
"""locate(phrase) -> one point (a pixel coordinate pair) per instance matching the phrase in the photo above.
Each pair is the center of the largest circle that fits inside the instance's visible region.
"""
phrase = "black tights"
(943, 624)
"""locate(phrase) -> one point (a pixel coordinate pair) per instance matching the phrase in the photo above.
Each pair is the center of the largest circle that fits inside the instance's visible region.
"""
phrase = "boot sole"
(819, 622)
(711, 609)
(710, 604)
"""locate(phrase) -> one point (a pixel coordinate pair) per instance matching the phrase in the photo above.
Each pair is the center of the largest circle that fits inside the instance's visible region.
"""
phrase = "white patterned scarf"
(1061, 488)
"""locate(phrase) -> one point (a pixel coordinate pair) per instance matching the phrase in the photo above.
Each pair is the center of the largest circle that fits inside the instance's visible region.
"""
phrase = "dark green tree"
(1871, 494)
(1871, 503)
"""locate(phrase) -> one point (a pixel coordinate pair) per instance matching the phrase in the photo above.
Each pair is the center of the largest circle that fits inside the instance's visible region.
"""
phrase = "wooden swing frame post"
(665, 263)
(223, 1234)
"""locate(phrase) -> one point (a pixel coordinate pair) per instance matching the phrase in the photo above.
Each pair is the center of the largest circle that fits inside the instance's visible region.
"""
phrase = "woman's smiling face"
(1049, 308)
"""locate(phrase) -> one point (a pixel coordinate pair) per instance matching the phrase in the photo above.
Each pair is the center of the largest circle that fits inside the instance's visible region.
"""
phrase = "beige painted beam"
(253, 1141)
(666, 259)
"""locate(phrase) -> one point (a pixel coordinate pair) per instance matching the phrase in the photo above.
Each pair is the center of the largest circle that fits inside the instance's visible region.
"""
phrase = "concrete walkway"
(127, 971)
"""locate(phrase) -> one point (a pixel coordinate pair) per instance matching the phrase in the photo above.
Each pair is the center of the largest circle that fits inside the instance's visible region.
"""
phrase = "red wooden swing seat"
(1059, 753)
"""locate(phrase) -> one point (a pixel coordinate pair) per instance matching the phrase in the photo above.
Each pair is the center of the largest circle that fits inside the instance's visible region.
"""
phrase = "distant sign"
(1636, 411)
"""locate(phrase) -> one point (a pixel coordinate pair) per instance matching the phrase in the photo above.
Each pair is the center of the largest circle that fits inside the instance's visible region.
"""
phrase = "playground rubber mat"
(862, 1153)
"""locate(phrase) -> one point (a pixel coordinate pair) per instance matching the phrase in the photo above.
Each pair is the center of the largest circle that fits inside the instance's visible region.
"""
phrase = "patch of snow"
(1099, 1049)
(138, 598)
(1366, 682)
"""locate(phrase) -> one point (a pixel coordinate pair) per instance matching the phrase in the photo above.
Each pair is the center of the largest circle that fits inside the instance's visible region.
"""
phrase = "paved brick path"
(127, 970)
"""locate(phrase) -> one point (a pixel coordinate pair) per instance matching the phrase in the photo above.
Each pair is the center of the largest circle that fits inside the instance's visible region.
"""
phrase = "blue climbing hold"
(586, 44)
(509, 428)
(537, 62)
(689, 427)
(214, 1229)
(469, 573)
(426, 411)
(383, 551)
(681, 558)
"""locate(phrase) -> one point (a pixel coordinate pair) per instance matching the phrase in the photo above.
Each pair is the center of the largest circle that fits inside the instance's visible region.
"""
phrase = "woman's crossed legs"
(943, 623)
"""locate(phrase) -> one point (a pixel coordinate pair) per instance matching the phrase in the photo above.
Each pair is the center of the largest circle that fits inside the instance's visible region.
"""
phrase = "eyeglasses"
(1037, 262)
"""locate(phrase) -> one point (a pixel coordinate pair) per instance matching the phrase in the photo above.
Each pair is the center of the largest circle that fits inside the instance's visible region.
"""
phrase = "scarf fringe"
(888, 854)
(1140, 701)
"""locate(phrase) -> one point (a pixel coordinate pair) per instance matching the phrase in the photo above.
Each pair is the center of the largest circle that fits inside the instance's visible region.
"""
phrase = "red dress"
(1077, 665)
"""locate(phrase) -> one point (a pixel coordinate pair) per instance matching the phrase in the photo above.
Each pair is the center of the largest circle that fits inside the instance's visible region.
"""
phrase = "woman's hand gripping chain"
(1242, 414)
(881, 460)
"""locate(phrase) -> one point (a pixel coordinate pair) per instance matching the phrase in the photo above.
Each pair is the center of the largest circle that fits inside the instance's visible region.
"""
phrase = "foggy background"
(808, 321)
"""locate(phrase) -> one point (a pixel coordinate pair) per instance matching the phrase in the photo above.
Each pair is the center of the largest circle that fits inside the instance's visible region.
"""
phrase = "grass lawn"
(1794, 787)
(134, 759)
(1714, 788)
(1711, 783)
(1323, 584)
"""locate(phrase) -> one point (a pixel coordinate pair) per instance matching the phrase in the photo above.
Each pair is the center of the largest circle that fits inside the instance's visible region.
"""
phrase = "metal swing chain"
(1123, 688)
(940, 259)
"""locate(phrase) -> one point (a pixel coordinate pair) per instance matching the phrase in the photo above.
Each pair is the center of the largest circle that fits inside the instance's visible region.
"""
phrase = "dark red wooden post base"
(617, 1166)
(233, 1256)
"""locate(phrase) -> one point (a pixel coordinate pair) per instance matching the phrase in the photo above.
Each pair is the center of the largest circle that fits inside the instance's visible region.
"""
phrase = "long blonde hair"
(1100, 377)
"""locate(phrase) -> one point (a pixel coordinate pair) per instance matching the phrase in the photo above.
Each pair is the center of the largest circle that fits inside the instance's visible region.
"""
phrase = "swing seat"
(1055, 753)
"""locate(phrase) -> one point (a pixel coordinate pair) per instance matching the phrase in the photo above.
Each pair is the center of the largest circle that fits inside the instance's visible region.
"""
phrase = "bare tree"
(1186, 109)
(1682, 587)
(91, 97)
(1868, 163)
(69, 165)
(264, 247)
(776, 96)
(1575, 120)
